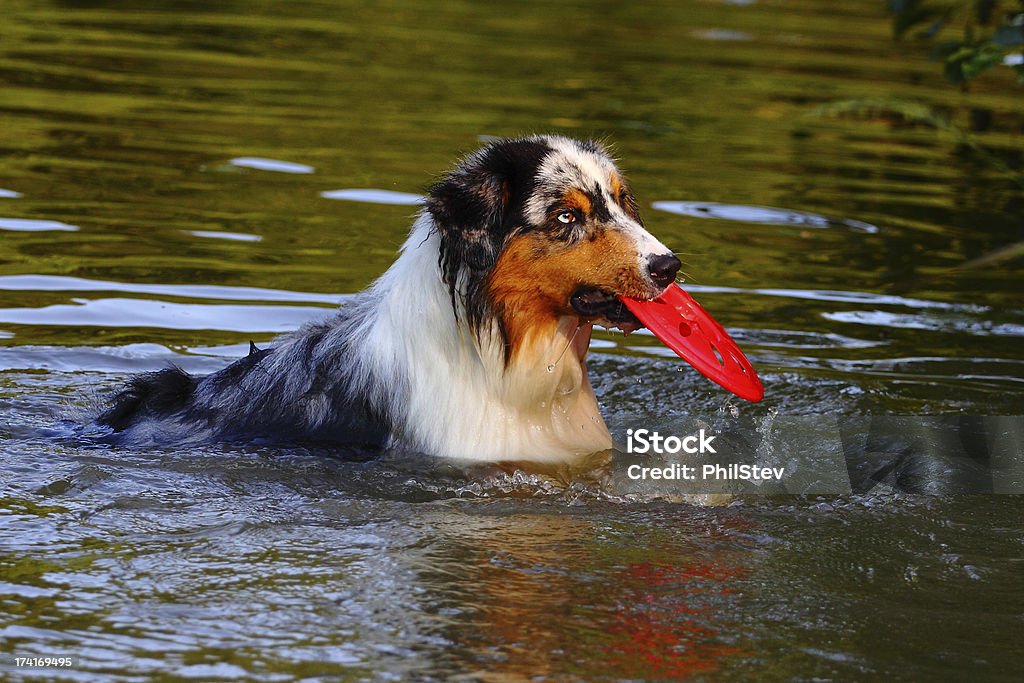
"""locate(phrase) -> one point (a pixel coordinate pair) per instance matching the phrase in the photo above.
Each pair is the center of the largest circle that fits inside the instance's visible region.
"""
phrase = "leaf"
(982, 60)
(966, 62)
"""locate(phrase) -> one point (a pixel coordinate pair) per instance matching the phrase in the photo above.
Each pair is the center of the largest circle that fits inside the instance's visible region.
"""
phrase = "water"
(178, 180)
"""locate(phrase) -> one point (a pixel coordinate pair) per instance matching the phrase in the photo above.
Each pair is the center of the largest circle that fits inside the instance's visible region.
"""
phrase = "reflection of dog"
(471, 345)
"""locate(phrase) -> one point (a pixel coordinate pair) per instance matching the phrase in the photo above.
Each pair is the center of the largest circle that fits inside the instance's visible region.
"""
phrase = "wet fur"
(467, 347)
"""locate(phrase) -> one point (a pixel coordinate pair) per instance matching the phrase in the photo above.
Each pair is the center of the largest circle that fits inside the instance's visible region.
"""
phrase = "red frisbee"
(684, 326)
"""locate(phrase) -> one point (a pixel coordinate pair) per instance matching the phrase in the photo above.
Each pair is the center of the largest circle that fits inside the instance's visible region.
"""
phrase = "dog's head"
(535, 229)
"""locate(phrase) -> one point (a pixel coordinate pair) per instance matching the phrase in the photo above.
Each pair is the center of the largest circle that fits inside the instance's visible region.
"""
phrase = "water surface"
(181, 179)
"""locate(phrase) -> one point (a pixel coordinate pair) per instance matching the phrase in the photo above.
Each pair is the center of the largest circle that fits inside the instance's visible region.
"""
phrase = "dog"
(472, 345)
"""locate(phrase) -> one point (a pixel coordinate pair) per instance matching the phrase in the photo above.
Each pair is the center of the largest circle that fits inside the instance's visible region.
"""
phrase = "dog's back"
(281, 394)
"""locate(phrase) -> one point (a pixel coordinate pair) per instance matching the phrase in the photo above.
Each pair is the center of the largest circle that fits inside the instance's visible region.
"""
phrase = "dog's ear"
(468, 208)
(474, 211)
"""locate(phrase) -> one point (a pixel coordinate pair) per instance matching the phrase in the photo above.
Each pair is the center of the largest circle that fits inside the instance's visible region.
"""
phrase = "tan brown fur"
(577, 200)
(535, 276)
(615, 186)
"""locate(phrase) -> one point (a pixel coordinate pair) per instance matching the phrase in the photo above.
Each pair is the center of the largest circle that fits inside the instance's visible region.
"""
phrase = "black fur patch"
(233, 373)
(598, 206)
(153, 393)
(475, 208)
(630, 206)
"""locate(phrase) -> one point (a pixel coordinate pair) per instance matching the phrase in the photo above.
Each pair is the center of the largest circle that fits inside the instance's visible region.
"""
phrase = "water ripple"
(218, 235)
(851, 297)
(982, 328)
(33, 225)
(374, 196)
(165, 315)
(262, 164)
(127, 358)
(761, 214)
(60, 283)
(722, 34)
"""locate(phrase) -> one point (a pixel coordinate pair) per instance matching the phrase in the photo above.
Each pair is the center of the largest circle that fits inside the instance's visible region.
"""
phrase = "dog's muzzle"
(597, 304)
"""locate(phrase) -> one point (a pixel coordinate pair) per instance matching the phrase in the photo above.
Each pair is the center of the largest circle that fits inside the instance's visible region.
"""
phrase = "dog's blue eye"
(566, 217)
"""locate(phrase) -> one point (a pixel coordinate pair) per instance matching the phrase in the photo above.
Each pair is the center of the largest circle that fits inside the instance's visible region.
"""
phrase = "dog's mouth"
(604, 308)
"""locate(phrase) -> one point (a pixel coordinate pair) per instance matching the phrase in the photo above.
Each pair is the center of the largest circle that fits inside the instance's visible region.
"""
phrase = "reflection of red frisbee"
(685, 327)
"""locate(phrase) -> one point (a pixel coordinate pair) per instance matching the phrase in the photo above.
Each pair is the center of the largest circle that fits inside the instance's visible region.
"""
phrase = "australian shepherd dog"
(472, 345)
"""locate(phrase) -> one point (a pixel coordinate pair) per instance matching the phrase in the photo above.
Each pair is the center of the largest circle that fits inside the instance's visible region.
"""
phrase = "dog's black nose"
(663, 269)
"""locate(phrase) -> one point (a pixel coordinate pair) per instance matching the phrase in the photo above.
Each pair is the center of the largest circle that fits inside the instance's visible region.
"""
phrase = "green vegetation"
(992, 33)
